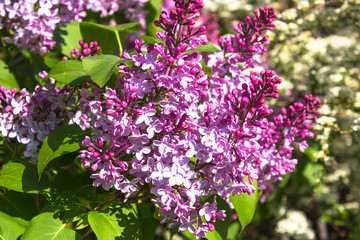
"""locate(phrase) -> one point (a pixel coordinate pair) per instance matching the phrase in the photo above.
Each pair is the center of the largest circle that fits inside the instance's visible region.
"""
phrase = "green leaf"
(146, 220)
(245, 205)
(100, 68)
(21, 178)
(214, 235)
(221, 227)
(11, 228)
(61, 141)
(204, 48)
(153, 8)
(46, 227)
(17, 204)
(69, 72)
(67, 37)
(63, 202)
(234, 231)
(109, 38)
(117, 222)
(149, 40)
(189, 235)
(206, 69)
(7, 79)
(311, 152)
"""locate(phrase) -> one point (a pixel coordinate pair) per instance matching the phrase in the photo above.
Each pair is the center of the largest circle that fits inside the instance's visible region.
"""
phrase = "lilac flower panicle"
(171, 130)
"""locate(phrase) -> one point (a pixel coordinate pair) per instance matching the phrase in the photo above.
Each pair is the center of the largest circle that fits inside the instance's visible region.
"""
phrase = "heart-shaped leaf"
(21, 178)
(117, 222)
(69, 72)
(61, 141)
(109, 38)
(45, 227)
(100, 68)
(10, 227)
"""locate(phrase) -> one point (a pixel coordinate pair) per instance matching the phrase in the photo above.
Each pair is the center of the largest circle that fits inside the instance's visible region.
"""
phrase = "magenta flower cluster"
(171, 132)
(32, 22)
(31, 117)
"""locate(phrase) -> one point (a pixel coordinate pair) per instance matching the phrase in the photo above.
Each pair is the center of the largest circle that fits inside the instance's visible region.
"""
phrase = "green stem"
(118, 40)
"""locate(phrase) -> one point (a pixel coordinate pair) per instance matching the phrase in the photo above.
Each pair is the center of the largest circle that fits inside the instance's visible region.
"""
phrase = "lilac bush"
(178, 127)
(32, 22)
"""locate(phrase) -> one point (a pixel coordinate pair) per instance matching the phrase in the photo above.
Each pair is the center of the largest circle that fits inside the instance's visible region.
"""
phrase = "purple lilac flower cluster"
(87, 51)
(188, 135)
(33, 22)
(30, 118)
(173, 132)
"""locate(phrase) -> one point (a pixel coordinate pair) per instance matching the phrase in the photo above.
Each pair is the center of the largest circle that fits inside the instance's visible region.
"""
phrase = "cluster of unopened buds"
(173, 129)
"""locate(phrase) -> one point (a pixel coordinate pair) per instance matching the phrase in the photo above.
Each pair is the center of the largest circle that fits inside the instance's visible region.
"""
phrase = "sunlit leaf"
(61, 141)
(100, 68)
(118, 222)
(46, 227)
(245, 205)
(10, 227)
(21, 178)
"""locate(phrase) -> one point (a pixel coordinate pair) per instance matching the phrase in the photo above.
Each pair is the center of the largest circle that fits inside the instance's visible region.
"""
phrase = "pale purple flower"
(165, 146)
(150, 61)
(145, 116)
(188, 223)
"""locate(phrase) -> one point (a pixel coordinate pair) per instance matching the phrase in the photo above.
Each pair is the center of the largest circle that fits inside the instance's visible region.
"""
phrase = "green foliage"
(117, 222)
(245, 206)
(67, 37)
(61, 141)
(221, 227)
(21, 178)
(20, 205)
(206, 69)
(100, 68)
(7, 79)
(204, 48)
(69, 72)
(10, 227)
(148, 39)
(147, 221)
(110, 38)
(153, 7)
(45, 227)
